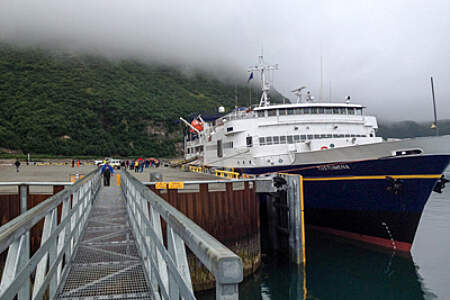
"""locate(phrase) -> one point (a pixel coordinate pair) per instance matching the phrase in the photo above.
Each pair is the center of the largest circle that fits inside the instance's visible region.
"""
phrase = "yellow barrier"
(197, 169)
(227, 174)
(247, 176)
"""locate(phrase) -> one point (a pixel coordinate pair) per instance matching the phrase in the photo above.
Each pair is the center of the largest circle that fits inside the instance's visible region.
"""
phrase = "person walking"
(17, 163)
(136, 166)
(73, 163)
(107, 170)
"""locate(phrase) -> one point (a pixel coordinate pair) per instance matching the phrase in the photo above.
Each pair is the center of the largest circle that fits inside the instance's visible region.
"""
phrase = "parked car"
(115, 163)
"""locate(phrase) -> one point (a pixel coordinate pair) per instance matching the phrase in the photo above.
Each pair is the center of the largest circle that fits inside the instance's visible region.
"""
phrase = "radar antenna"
(298, 93)
(265, 82)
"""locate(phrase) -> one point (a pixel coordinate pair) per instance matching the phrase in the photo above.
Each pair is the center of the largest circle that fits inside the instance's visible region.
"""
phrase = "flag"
(250, 78)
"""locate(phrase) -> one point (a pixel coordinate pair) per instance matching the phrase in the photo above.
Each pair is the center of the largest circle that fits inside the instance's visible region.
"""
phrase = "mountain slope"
(70, 104)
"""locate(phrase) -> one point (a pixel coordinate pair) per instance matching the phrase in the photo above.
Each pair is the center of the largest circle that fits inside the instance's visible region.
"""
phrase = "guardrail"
(50, 263)
(167, 269)
(227, 174)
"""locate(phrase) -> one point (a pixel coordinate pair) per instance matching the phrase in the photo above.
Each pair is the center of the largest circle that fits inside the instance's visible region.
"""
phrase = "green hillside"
(60, 103)
(408, 129)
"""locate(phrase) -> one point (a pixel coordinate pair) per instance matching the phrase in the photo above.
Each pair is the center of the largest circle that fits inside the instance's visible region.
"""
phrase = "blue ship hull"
(378, 201)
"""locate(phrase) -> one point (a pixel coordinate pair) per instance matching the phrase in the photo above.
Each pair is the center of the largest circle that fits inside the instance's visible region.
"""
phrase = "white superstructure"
(270, 135)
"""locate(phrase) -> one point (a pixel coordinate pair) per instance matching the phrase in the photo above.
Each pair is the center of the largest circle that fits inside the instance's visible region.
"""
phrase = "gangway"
(107, 242)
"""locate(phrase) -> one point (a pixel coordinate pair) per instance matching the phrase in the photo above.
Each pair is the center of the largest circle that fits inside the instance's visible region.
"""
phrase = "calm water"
(337, 269)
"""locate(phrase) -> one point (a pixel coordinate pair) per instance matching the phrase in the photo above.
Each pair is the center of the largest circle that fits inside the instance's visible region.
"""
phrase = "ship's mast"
(265, 82)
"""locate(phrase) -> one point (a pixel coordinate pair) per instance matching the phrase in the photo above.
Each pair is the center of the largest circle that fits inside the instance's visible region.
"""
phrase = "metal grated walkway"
(107, 264)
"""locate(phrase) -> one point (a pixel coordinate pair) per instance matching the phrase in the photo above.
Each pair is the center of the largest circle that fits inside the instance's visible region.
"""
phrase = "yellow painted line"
(302, 209)
(432, 176)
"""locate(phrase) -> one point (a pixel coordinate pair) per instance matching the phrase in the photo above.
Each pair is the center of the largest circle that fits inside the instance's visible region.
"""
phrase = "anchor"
(396, 185)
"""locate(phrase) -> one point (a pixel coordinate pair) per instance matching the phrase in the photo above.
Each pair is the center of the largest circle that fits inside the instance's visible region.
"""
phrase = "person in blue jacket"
(107, 170)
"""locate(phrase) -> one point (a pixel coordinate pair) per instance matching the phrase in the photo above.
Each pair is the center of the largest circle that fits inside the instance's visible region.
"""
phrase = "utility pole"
(435, 124)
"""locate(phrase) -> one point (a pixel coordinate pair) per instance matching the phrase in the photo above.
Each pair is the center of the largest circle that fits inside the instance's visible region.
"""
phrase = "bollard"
(118, 179)
(156, 177)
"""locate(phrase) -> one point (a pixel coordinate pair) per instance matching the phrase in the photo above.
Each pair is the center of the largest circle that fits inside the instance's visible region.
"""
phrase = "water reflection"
(336, 269)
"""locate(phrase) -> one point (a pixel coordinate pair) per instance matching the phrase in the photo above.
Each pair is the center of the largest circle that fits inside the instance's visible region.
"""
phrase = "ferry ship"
(356, 185)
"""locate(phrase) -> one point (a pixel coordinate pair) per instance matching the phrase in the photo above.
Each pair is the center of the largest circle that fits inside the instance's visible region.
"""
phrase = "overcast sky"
(381, 52)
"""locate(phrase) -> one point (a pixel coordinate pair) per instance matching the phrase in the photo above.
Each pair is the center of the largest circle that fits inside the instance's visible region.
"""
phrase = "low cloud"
(381, 53)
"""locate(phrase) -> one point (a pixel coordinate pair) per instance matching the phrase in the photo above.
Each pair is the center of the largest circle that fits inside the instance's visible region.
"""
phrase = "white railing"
(50, 263)
(167, 269)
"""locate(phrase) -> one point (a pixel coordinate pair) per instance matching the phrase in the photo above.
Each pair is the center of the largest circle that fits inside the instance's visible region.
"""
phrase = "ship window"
(336, 111)
(309, 136)
(329, 135)
(322, 136)
(317, 136)
(282, 140)
(219, 148)
(282, 111)
(347, 135)
(303, 137)
(352, 135)
(343, 111)
(262, 141)
(229, 129)
(272, 112)
(307, 110)
(249, 141)
(328, 110)
(290, 139)
(359, 111)
(269, 140)
(296, 138)
(276, 140)
(299, 111)
(321, 110)
(290, 111)
(228, 145)
(261, 113)
(351, 111)
(314, 110)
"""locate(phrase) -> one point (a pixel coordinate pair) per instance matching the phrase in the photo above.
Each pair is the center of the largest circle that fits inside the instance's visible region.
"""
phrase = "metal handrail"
(212, 181)
(167, 269)
(36, 183)
(59, 241)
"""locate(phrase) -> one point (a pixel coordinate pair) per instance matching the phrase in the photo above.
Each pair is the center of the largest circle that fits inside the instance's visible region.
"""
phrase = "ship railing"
(167, 268)
(64, 215)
